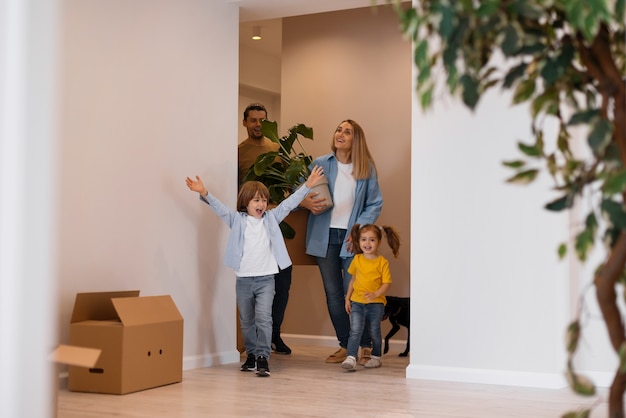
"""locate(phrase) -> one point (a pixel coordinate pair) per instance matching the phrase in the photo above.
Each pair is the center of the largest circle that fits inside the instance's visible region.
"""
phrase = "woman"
(357, 198)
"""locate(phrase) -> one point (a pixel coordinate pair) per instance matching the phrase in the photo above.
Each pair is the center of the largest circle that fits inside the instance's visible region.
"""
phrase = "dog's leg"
(408, 343)
(395, 328)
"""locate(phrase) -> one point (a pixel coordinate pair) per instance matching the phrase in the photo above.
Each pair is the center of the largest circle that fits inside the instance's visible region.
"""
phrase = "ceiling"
(253, 10)
(268, 14)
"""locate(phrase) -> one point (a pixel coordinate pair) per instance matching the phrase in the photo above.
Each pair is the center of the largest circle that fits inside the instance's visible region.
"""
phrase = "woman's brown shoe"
(366, 355)
(338, 356)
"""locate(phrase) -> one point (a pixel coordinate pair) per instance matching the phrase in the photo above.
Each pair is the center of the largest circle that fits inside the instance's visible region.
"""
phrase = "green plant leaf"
(270, 130)
(615, 183)
(615, 212)
(304, 130)
(560, 204)
(530, 150)
(264, 162)
(562, 251)
(510, 42)
(487, 8)
(619, 10)
(470, 91)
(524, 91)
(586, 238)
(583, 413)
(287, 230)
(514, 74)
(584, 117)
(600, 136)
(572, 336)
(524, 177)
(514, 164)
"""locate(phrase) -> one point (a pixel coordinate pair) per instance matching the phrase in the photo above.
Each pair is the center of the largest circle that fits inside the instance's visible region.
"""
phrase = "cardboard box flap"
(146, 310)
(75, 356)
(97, 305)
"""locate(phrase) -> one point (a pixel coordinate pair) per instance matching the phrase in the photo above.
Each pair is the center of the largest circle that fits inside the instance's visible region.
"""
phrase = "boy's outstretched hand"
(196, 185)
(316, 174)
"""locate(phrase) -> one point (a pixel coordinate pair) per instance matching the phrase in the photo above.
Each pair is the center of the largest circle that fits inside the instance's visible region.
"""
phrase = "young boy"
(255, 251)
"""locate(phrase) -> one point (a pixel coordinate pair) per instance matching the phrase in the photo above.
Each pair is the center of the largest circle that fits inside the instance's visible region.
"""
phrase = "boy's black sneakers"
(262, 368)
(249, 365)
(279, 346)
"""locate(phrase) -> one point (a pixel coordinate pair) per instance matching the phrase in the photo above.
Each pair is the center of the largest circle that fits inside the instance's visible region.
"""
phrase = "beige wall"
(350, 64)
(145, 104)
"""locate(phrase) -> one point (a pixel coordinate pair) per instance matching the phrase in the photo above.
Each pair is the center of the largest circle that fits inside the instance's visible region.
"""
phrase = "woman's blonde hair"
(362, 161)
(248, 191)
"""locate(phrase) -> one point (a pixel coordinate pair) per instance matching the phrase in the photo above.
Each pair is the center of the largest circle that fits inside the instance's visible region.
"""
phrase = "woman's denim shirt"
(368, 203)
(271, 219)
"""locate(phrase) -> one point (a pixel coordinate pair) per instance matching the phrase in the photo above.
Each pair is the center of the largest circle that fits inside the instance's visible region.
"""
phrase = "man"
(248, 150)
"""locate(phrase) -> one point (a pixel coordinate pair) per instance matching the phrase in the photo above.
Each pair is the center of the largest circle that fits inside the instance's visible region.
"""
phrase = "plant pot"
(296, 246)
(323, 191)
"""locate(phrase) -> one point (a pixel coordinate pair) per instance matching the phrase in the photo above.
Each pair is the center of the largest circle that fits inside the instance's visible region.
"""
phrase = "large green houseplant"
(567, 60)
(284, 170)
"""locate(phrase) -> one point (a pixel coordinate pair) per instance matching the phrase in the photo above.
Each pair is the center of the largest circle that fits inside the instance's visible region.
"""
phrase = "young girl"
(365, 299)
(255, 250)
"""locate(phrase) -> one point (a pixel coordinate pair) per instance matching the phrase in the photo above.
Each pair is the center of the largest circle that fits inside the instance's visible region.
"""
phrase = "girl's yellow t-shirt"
(369, 276)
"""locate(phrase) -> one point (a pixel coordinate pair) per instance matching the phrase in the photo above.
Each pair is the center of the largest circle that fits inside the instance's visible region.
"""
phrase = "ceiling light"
(256, 33)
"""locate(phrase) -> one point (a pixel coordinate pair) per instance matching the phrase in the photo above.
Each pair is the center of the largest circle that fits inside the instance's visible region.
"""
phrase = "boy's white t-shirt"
(343, 196)
(257, 259)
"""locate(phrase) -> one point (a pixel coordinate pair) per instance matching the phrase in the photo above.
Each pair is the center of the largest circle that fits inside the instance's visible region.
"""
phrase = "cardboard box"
(69, 355)
(141, 339)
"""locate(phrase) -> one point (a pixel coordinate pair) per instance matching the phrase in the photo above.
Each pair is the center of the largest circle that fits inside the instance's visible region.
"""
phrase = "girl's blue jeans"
(370, 314)
(255, 296)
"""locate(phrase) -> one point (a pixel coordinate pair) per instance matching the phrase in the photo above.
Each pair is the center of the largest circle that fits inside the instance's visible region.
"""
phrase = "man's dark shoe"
(279, 346)
(262, 368)
(249, 365)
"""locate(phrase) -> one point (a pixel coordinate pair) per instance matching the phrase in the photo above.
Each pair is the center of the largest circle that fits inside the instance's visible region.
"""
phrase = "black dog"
(398, 310)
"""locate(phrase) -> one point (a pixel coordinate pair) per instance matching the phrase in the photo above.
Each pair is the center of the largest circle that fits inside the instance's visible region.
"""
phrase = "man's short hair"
(254, 106)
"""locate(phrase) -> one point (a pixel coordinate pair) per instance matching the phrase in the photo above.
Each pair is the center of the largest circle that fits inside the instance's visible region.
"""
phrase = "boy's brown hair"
(248, 191)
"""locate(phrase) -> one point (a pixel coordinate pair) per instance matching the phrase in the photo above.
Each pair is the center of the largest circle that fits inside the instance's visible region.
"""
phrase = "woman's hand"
(196, 186)
(348, 241)
(314, 204)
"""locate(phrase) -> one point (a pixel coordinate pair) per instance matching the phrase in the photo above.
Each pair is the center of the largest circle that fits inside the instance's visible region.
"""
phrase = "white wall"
(28, 197)
(490, 298)
(145, 104)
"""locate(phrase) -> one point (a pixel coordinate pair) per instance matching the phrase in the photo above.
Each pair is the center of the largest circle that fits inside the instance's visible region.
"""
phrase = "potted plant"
(282, 172)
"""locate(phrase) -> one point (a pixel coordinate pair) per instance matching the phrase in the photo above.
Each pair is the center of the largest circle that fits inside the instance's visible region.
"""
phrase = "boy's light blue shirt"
(271, 219)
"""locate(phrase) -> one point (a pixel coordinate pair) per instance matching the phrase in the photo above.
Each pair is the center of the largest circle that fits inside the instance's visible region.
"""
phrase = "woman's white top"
(343, 196)
(257, 259)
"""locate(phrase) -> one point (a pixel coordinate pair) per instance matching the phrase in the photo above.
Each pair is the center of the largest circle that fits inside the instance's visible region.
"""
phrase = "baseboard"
(328, 341)
(208, 360)
(490, 377)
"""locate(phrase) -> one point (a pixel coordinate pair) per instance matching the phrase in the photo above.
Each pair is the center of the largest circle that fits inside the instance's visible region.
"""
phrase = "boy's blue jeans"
(362, 314)
(255, 296)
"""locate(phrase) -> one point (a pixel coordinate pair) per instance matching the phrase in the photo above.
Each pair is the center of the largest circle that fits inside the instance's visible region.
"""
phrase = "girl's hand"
(348, 306)
(369, 296)
(196, 185)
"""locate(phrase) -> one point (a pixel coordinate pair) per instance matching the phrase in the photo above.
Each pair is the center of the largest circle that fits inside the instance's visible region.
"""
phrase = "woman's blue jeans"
(255, 296)
(335, 277)
(362, 314)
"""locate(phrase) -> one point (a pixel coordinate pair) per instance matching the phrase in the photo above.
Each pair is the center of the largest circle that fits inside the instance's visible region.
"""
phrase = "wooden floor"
(302, 385)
